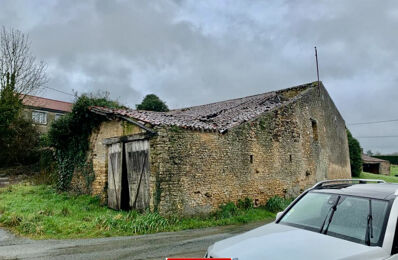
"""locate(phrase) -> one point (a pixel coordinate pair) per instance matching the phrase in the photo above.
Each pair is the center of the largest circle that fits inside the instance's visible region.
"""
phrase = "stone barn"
(375, 165)
(191, 160)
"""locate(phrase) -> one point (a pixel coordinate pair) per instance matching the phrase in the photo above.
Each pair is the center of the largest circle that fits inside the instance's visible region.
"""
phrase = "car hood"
(278, 241)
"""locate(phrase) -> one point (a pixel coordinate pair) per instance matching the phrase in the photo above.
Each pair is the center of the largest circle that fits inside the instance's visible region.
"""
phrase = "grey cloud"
(194, 52)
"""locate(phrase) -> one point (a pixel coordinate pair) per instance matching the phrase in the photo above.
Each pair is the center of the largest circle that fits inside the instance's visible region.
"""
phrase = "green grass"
(394, 170)
(390, 178)
(366, 175)
(39, 212)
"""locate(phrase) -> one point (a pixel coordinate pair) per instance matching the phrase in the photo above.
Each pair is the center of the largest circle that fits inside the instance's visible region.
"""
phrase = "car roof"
(383, 191)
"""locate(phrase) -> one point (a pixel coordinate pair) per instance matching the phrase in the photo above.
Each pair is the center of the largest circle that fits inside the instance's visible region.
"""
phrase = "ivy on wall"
(70, 135)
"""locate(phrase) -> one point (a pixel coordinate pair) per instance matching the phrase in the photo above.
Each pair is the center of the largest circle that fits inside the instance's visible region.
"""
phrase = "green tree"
(20, 74)
(10, 104)
(18, 138)
(152, 102)
(355, 155)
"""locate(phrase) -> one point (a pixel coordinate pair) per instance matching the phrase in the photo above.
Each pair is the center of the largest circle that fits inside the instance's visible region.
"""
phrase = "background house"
(191, 160)
(42, 111)
(375, 165)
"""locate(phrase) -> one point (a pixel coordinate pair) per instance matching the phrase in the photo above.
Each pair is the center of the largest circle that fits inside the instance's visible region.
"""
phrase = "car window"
(348, 221)
(351, 218)
(310, 211)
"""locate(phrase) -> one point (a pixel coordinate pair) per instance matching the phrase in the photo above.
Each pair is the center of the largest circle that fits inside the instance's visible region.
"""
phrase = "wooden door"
(137, 163)
(115, 175)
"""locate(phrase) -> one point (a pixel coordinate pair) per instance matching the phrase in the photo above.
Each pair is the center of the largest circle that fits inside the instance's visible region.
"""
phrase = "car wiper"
(369, 226)
(331, 211)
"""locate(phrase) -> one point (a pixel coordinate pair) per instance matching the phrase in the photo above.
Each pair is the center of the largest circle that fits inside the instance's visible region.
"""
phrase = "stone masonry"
(281, 151)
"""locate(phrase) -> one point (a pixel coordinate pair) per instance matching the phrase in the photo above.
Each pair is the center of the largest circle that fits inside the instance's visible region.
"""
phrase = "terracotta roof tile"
(219, 116)
(40, 102)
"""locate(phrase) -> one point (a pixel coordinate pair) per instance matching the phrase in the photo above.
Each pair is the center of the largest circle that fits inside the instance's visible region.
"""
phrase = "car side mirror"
(278, 215)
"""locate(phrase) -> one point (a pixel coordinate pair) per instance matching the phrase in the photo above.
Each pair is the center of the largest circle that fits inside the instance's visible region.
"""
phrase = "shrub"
(355, 155)
(47, 167)
(70, 135)
(20, 145)
(227, 210)
(393, 159)
(277, 204)
(247, 203)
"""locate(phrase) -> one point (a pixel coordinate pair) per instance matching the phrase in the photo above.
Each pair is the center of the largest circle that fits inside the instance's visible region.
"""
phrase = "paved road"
(188, 243)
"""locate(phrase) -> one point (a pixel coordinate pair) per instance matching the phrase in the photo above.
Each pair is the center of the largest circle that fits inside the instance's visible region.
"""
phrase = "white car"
(339, 219)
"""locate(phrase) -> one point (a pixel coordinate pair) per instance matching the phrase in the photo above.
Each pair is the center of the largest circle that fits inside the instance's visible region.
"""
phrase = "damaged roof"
(219, 116)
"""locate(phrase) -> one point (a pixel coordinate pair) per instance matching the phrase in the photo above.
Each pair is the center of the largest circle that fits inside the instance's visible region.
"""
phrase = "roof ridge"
(217, 116)
(223, 101)
(47, 99)
(234, 99)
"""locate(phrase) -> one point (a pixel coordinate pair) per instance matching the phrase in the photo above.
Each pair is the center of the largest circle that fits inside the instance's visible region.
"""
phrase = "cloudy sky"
(195, 52)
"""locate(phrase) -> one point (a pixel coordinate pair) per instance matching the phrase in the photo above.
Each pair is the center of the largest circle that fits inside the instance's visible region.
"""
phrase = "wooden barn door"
(115, 158)
(137, 162)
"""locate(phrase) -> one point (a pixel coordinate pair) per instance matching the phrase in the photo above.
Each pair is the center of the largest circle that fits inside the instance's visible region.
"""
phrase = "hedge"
(391, 158)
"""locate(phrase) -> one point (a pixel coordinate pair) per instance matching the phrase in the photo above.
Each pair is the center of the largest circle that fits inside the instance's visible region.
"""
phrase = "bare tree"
(16, 60)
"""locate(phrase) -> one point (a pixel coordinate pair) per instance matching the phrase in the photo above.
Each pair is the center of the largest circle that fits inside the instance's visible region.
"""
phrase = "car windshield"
(357, 219)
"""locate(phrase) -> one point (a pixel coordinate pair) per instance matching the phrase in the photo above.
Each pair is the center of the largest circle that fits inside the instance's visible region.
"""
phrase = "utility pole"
(317, 71)
(317, 67)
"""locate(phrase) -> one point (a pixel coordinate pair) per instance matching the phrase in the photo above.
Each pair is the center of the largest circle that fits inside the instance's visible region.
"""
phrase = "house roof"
(219, 116)
(369, 159)
(46, 103)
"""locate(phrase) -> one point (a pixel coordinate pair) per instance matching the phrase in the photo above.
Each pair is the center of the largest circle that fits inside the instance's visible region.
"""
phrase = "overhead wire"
(374, 122)
(63, 92)
(378, 136)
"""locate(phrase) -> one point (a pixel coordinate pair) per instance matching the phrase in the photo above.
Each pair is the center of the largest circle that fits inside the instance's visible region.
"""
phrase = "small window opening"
(314, 129)
(251, 158)
(290, 158)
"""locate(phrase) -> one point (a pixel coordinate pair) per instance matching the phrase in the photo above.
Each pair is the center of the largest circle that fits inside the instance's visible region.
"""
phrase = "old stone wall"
(385, 168)
(99, 151)
(280, 153)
